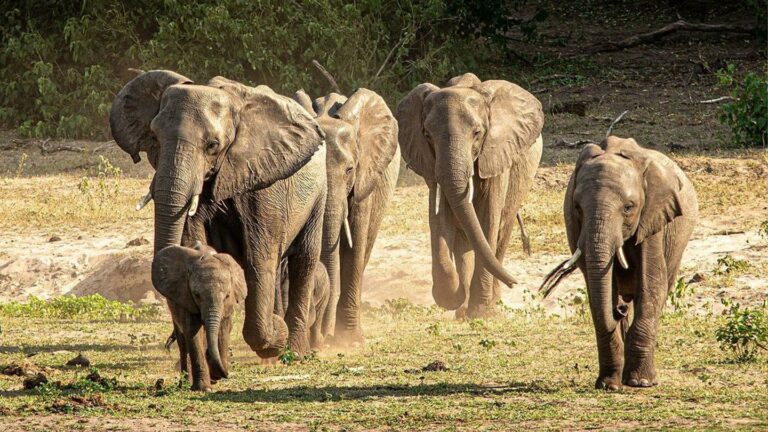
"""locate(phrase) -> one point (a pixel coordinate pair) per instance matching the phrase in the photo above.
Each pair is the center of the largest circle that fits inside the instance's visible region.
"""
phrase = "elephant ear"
(466, 80)
(133, 109)
(275, 137)
(590, 151)
(376, 130)
(662, 197)
(239, 288)
(416, 151)
(515, 122)
(305, 101)
(328, 105)
(170, 275)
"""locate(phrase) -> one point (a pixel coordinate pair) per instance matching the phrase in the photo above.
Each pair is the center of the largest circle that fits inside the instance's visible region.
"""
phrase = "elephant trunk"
(212, 323)
(330, 258)
(598, 260)
(456, 187)
(174, 187)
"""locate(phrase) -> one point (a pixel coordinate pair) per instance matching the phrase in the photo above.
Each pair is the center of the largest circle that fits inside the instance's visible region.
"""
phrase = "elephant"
(320, 297)
(241, 169)
(634, 207)
(203, 288)
(469, 136)
(363, 163)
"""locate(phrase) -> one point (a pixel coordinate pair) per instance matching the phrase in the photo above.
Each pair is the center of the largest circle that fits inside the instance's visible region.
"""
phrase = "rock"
(159, 384)
(698, 277)
(54, 238)
(13, 370)
(139, 241)
(35, 381)
(80, 360)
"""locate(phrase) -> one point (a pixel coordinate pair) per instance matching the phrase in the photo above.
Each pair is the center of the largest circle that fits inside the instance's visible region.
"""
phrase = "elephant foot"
(608, 383)
(461, 313)
(316, 341)
(641, 378)
(482, 311)
(201, 387)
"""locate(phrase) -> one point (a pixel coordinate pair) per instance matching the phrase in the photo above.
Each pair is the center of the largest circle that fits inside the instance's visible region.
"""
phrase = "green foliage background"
(61, 63)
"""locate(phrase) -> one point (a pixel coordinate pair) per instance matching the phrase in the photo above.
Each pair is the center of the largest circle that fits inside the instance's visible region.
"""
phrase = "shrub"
(92, 307)
(743, 331)
(747, 115)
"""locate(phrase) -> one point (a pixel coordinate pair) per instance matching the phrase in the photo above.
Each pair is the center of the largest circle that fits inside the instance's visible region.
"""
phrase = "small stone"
(698, 277)
(80, 360)
(139, 241)
(435, 366)
(54, 238)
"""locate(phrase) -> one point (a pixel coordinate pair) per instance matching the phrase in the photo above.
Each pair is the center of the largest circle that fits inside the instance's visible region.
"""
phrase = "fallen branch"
(613, 123)
(716, 100)
(668, 29)
(571, 145)
(386, 60)
(327, 76)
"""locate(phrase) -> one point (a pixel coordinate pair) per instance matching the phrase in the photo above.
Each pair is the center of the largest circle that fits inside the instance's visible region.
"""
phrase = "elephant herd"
(276, 201)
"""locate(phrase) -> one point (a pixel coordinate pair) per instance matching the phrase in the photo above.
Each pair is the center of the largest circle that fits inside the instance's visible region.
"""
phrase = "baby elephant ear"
(170, 275)
(662, 197)
(515, 123)
(410, 114)
(376, 130)
(466, 80)
(275, 137)
(239, 287)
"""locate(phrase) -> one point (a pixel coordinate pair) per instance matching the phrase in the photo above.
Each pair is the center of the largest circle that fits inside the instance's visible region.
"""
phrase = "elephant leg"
(348, 329)
(183, 354)
(301, 270)
(196, 344)
(465, 266)
(446, 288)
(610, 355)
(320, 305)
(505, 234)
(489, 206)
(640, 370)
(267, 339)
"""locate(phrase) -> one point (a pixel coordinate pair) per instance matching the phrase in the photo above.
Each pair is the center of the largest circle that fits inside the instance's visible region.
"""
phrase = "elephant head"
(219, 139)
(469, 128)
(204, 283)
(618, 196)
(361, 137)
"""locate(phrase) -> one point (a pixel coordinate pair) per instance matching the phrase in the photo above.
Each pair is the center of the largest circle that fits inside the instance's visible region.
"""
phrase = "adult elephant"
(241, 169)
(471, 136)
(363, 162)
(633, 207)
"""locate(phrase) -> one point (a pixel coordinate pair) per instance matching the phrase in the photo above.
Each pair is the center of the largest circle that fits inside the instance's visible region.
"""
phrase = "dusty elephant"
(241, 169)
(363, 162)
(633, 207)
(202, 288)
(477, 145)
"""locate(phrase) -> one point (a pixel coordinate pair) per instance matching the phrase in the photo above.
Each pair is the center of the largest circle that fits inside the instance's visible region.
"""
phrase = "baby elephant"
(202, 288)
(629, 212)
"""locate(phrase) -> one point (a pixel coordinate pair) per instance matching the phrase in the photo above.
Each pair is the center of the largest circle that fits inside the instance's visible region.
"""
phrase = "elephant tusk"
(471, 190)
(622, 258)
(559, 273)
(193, 205)
(572, 262)
(437, 200)
(348, 232)
(144, 201)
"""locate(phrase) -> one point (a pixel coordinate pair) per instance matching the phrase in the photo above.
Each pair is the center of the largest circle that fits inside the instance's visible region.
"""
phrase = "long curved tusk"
(193, 205)
(559, 273)
(471, 190)
(437, 200)
(622, 258)
(144, 201)
(572, 262)
(348, 232)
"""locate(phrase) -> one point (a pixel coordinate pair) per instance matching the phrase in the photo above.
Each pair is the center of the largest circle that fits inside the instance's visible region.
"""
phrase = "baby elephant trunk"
(212, 333)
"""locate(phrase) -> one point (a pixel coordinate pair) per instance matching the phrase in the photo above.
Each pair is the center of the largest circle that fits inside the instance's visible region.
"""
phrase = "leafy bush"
(677, 297)
(743, 331)
(61, 63)
(92, 307)
(728, 265)
(747, 115)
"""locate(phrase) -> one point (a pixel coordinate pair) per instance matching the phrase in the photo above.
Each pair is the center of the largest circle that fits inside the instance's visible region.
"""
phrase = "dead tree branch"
(679, 25)
(327, 76)
(613, 123)
(716, 100)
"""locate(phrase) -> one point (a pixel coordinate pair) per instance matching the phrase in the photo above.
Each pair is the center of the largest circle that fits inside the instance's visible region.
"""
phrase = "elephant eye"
(628, 208)
(477, 133)
(349, 170)
(212, 146)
